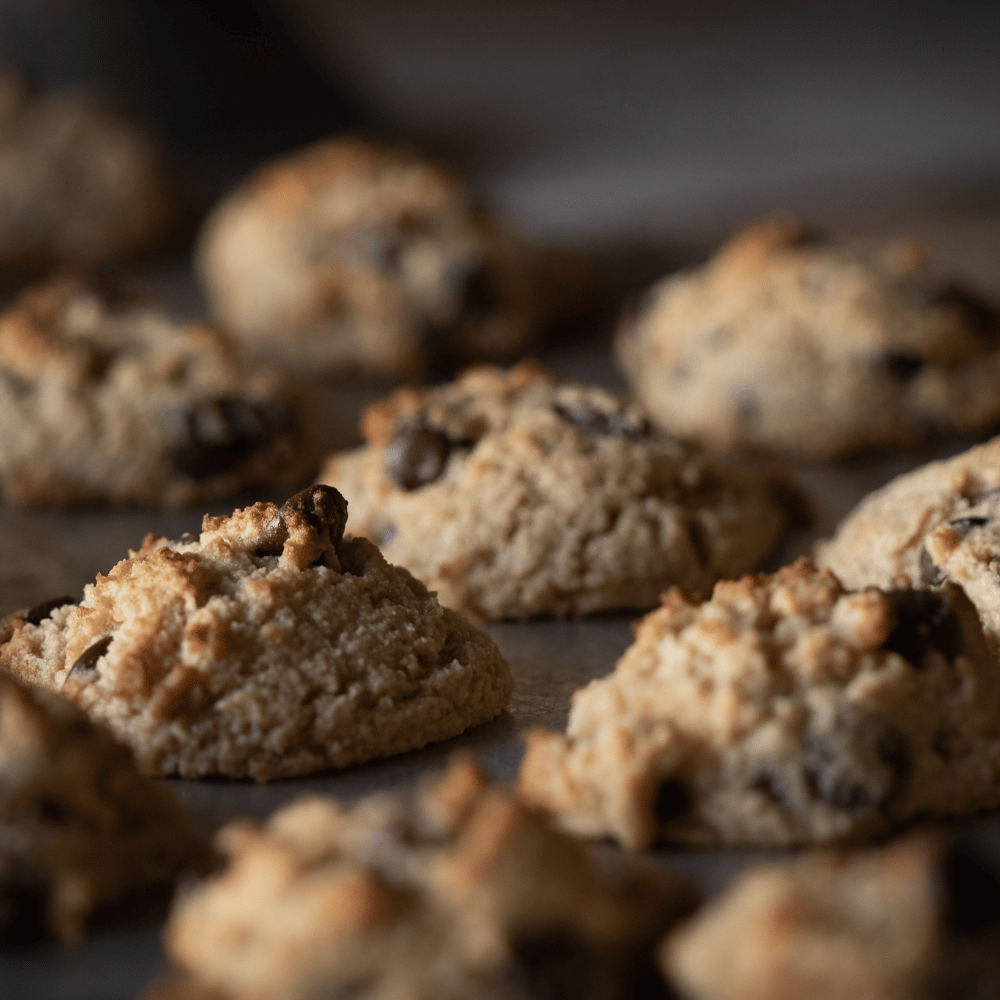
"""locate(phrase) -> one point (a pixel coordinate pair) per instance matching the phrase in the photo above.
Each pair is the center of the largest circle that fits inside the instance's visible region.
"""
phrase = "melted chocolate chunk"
(589, 417)
(219, 435)
(977, 313)
(931, 575)
(971, 891)
(700, 541)
(87, 660)
(672, 799)
(417, 455)
(901, 365)
(922, 621)
(322, 507)
(553, 966)
(40, 612)
(189, 536)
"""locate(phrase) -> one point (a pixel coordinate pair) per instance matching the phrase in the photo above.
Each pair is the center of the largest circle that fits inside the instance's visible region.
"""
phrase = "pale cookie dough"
(80, 827)
(79, 185)
(350, 255)
(511, 496)
(267, 646)
(911, 922)
(461, 894)
(103, 401)
(812, 348)
(936, 523)
(785, 710)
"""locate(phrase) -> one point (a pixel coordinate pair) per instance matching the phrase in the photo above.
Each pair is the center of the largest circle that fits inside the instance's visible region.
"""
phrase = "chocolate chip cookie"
(102, 401)
(939, 522)
(785, 710)
(80, 828)
(460, 894)
(79, 185)
(914, 921)
(813, 348)
(511, 495)
(270, 645)
(350, 255)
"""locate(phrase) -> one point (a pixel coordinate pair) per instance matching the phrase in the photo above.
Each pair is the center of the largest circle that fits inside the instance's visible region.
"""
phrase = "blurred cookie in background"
(106, 401)
(815, 348)
(80, 827)
(355, 256)
(80, 185)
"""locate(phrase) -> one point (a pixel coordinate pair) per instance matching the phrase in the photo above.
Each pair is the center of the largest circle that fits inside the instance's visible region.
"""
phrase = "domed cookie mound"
(785, 710)
(354, 256)
(80, 827)
(939, 522)
(914, 921)
(268, 646)
(108, 402)
(812, 348)
(462, 894)
(513, 496)
(79, 185)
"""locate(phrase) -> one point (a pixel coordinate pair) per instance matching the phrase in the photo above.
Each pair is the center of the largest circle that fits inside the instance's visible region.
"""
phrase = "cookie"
(268, 646)
(353, 256)
(785, 710)
(812, 348)
(936, 523)
(460, 893)
(511, 496)
(79, 185)
(80, 827)
(107, 402)
(913, 921)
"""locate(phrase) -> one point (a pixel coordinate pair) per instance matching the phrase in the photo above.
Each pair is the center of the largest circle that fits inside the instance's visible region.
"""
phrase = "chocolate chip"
(922, 621)
(40, 612)
(856, 766)
(219, 435)
(588, 416)
(931, 575)
(553, 965)
(977, 313)
(901, 365)
(190, 536)
(672, 799)
(417, 455)
(700, 541)
(322, 507)
(968, 523)
(87, 660)
(478, 295)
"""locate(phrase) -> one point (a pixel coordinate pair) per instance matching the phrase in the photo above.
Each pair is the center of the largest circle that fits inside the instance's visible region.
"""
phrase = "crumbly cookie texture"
(914, 921)
(80, 827)
(511, 496)
(350, 255)
(785, 710)
(813, 348)
(79, 185)
(269, 646)
(936, 523)
(461, 893)
(107, 402)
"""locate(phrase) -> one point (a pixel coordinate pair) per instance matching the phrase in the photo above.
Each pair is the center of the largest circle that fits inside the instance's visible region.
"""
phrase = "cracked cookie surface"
(350, 255)
(511, 495)
(785, 710)
(80, 827)
(812, 348)
(106, 402)
(268, 646)
(460, 893)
